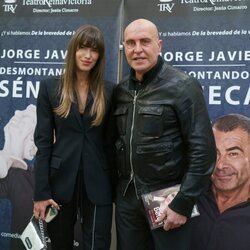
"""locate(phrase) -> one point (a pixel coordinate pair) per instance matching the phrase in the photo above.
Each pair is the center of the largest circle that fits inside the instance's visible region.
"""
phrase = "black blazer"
(65, 144)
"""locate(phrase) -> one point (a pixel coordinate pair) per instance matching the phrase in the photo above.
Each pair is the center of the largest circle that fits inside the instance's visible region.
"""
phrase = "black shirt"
(229, 230)
(147, 77)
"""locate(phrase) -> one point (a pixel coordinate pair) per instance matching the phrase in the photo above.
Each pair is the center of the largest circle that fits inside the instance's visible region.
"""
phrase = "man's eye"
(233, 154)
(145, 42)
(130, 43)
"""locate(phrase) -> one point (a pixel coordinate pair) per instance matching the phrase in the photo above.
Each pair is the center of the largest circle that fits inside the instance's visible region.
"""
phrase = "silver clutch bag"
(33, 235)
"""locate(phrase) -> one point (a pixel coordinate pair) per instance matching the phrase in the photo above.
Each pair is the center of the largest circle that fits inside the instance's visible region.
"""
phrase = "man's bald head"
(143, 24)
(142, 46)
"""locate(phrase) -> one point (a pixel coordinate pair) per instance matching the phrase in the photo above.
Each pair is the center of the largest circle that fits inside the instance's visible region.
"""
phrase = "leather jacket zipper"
(132, 177)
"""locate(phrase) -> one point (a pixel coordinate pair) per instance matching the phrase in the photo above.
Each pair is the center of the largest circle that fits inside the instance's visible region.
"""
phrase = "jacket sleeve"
(199, 145)
(43, 138)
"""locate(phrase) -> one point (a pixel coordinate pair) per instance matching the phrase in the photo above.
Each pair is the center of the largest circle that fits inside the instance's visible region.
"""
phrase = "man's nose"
(221, 161)
(138, 47)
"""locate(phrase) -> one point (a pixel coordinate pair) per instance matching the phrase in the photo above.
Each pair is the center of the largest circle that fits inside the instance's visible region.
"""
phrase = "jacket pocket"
(121, 157)
(150, 122)
(121, 114)
(55, 165)
(156, 161)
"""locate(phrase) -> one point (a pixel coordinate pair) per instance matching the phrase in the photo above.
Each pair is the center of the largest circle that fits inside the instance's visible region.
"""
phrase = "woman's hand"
(40, 207)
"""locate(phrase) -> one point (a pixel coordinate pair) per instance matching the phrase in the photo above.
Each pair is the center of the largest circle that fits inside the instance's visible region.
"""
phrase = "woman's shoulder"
(50, 83)
(51, 80)
(50, 86)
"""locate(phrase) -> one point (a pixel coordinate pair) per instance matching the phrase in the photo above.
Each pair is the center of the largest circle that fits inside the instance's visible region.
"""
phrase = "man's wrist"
(182, 204)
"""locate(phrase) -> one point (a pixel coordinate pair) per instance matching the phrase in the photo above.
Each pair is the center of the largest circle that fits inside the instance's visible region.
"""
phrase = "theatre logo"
(166, 5)
(9, 6)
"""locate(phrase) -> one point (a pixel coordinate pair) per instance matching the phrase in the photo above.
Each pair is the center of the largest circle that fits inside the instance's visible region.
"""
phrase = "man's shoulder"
(124, 80)
(124, 83)
(184, 83)
(172, 72)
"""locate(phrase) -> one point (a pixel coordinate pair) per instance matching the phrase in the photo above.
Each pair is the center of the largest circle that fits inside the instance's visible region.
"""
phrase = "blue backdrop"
(207, 39)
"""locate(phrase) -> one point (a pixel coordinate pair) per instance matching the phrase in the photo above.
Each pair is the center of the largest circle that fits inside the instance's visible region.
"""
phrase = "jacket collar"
(148, 76)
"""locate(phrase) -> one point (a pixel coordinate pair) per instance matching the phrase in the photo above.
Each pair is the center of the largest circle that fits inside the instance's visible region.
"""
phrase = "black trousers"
(133, 231)
(96, 222)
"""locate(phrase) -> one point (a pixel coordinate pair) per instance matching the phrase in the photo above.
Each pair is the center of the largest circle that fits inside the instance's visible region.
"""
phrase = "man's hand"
(39, 210)
(171, 219)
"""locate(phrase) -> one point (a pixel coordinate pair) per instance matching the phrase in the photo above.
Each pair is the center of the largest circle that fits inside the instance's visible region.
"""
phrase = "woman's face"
(86, 58)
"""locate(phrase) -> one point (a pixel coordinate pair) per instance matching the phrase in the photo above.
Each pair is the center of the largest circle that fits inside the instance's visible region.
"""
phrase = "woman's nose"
(87, 52)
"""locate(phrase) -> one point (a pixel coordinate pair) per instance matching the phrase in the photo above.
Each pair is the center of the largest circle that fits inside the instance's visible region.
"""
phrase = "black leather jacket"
(164, 136)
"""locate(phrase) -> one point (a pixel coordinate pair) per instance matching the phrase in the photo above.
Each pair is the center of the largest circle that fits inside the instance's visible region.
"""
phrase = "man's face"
(232, 170)
(142, 47)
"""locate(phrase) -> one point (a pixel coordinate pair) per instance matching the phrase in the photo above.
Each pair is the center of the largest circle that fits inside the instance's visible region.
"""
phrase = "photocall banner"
(209, 39)
(33, 40)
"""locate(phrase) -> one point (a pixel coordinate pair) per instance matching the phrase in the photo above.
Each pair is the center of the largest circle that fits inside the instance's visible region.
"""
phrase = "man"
(224, 221)
(164, 138)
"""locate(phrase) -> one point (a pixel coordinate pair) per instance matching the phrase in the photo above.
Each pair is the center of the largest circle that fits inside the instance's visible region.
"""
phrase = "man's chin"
(140, 68)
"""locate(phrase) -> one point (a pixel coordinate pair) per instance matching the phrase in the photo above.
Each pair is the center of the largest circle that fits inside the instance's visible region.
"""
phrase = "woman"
(71, 172)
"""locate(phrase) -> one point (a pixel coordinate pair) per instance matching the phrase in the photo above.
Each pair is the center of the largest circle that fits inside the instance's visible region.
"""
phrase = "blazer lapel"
(87, 118)
(75, 109)
(89, 104)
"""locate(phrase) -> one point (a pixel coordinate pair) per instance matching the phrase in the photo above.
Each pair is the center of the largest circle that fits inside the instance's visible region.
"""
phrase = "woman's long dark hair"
(88, 36)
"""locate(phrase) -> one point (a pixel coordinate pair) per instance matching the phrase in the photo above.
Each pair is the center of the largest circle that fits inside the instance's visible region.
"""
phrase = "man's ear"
(160, 45)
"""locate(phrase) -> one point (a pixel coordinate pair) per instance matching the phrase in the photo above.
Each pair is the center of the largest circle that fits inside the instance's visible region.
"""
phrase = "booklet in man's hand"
(155, 202)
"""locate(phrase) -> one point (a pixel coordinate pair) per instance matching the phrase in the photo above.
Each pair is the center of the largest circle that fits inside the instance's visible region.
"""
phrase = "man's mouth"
(139, 58)
(223, 176)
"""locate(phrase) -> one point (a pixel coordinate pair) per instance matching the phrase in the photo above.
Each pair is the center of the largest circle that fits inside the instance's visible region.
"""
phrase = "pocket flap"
(119, 144)
(121, 110)
(55, 162)
(151, 110)
(154, 148)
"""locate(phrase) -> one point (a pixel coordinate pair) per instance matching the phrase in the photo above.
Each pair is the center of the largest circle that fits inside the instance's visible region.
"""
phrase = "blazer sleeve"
(111, 134)
(43, 137)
